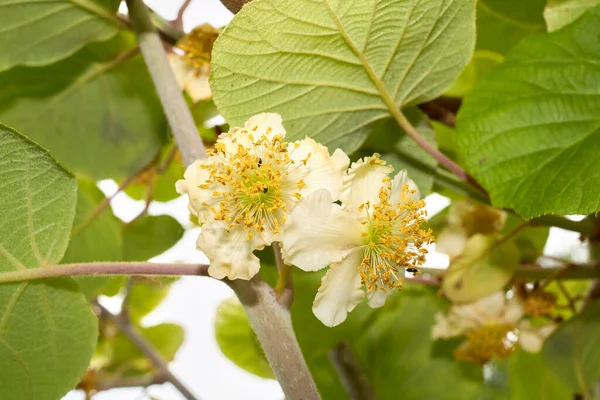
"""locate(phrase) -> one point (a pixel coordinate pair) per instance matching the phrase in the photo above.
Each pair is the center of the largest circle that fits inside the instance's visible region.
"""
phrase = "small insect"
(259, 162)
(413, 271)
(265, 190)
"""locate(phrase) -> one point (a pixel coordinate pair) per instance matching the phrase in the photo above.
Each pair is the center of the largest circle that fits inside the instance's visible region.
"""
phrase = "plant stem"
(149, 351)
(273, 325)
(104, 268)
(178, 22)
(177, 112)
(354, 380)
(269, 319)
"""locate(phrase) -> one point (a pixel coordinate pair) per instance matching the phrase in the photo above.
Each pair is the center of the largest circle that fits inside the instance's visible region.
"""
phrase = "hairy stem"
(269, 319)
(104, 268)
(273, 325)
(177, 112)
(149, 351)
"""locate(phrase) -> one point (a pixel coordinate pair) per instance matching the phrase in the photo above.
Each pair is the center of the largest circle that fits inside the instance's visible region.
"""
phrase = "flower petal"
(230, 253)
(377, 298)
(363, 181)
(532, 339)
(399, 181)
(200, 199)
(513, 310)
(315, 168)
(340, 291)
(268, 124)
(451, 241)
(318, 233)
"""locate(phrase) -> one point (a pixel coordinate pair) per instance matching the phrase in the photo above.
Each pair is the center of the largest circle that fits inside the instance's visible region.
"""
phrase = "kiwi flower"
(368, 240)
(243, 192)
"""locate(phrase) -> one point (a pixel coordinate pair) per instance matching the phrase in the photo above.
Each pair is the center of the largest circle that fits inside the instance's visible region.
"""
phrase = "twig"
(178, 22)
(284, 287)
(567, 295)
(137, 381)
(149, 351)
(354, 380)
(512, 233)
(105, 268)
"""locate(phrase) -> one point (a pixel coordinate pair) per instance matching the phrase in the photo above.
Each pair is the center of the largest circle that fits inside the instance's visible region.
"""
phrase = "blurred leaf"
(47, 330)
(481, 63)
(526, 130)
(559, 13)
(98, 239)
(326, 378)
(483, 268)
(575, 288)
(37, 32)
(237, 340)
(530, 379)
(97, 111)
(501, 24)
(572, 352)
(118, 355)
(149, 236)
(145, 294)
(158, 181)
(325, 71)
(395, 352)
(530, 240)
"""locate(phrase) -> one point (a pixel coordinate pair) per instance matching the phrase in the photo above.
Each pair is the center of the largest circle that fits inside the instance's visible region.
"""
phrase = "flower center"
(487, 342)
(251, 175)
(393, 239)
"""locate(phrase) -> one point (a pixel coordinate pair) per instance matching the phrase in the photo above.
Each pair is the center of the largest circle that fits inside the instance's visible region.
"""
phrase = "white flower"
(194, 80)
(367, 239)
(493, 326)
(243, 192)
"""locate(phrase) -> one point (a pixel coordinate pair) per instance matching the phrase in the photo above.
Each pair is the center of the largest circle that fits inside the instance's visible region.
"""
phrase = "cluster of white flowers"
(493, 326)
(255, 189)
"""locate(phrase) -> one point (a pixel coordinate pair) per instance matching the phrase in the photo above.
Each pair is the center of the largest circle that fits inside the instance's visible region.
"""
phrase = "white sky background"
(192, 302)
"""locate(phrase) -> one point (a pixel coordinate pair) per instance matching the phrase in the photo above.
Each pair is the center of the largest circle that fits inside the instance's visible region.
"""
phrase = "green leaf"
(238, 341)
(530, 240)
(483, 268)
(395, 352)
(145, 294)
(100, 102)
(42, 32)
(530, 379)
(47, 330)
(528, 134)
(559, 13)
(93, 238)
(332, 67)
(572, 352)
(501, 24)
(146, 237)
(482, 62)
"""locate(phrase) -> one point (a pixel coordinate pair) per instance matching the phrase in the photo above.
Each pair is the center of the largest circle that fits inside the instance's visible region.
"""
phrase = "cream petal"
(377, 298)
(513, 311)
(484, 310)
(316, 168)
(451, 241)
(532, 339)
(180, 68)
(319, 232)
(268, 124)
(398, 182)
(363, 181)
(230, 253)
(447, 326)
(340, 291)
(196, 84)
(195, 176)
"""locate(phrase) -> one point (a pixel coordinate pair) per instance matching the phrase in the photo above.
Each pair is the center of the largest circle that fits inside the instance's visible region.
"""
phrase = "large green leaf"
(238, 341)
(93, 238)
(145, 294)
(97, 111)
(572, 352)
(331, 67)
(483, 268)
(146, 237)
(47, 330)
(39, 32)
(530, 379)
(530, 131)
(559, 13)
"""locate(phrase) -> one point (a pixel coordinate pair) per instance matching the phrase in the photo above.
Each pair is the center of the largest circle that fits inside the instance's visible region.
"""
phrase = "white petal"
(363, 181)
(377, 298)
(180, 68)
(484, 310)
(268, 124)
(318, 233)
(532, 339)
(340, 291)
(321, 170)
(196, 84)
(194, 176)
(230, 253)
(399, 181)
(451, 241)
(446, 326)
(513, 310)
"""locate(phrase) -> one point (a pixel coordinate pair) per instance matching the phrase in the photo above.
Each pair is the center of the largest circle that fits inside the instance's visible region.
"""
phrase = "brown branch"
(353, 379)
(178, 22)
(234, 5)
(149, 351)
